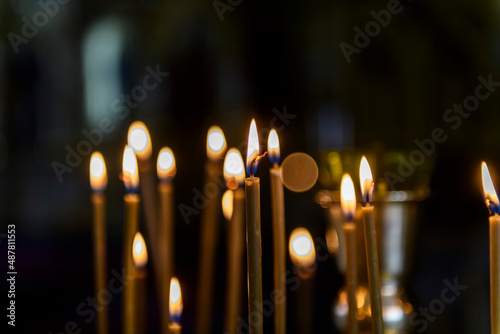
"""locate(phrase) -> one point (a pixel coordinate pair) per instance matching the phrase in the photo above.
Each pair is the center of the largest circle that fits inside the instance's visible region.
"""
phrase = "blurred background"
(229, 62)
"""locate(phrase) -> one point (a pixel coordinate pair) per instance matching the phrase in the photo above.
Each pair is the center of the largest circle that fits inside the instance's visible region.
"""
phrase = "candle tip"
(273, 147)
(490, 193)
(165, 167)
(216, 143)
(366, 180)
(140, 140)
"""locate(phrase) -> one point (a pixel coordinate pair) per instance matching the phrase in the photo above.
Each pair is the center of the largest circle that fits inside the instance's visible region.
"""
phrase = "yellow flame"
(490, 194)
(165, 167)
(216, 143)
(273, 146)
(301, 248)
(175, 305)
(234, 169)
(129, 167)
(253, 145)
(365, 180)
(139, 251)
(348, 198)
(227, 204)
(140, 140)
(98, 174)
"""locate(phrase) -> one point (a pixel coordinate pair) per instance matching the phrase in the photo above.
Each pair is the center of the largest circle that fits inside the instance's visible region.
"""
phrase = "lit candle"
(303, 256)
(278, 211)
(98, 182)
(175, 306)
(140, 141)
(348, 203)
(234, 175)
(216, 149)
(140, 257)
(366, 182)
(254, 247)
(491, 198)
(166, 170)
(130, 177)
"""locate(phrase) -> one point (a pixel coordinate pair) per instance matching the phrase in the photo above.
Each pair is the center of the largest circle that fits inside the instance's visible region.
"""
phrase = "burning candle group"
(348, 202)
(245, 192)
(135, 252)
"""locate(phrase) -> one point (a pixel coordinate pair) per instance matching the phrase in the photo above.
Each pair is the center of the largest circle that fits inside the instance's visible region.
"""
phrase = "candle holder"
(396, 221)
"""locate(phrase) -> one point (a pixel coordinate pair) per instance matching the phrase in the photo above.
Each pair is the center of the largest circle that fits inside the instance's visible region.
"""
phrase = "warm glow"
(490, 194)
(165, 167)
(139, 140)
(252, 149)
(273, 147)
(130, 172)
(227, 204)
(139, 251)
(216, 143)
(98, 175)
(348, 198)
(366, 180)
(175, 305)
(301, 248)
(234, 170)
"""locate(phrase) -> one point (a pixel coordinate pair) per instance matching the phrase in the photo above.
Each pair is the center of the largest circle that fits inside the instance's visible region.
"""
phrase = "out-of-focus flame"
(348, 198)
(130, 172)
(332, 240)
(165, 167)
(139, 251)
(216, 143)
(490, 194)
(366, 180)
(301, 248)
(98, 174)
(252, 149)
(175, 305)
(227, 204)
(234, 170)
(273, 147)
(140, 140)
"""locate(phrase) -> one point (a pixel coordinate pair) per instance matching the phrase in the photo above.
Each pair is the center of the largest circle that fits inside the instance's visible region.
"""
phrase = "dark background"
(262, 56)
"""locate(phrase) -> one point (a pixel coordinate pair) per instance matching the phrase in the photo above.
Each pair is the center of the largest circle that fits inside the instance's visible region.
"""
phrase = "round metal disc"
(299, 172)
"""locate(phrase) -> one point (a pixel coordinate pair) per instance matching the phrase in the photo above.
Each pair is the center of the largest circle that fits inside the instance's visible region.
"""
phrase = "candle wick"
(275, 165)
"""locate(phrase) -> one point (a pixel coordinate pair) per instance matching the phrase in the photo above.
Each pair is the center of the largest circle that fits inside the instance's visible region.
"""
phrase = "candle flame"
(216, 143)
(252, 149)
(366, 180)
(139, 251)
(234, 170)
(273, 147)
(165, 167)
(140, 140)
(175, 305)
(98, 174)
(348, 198)
(130, 171)
(301, 248)
(227, 204)
(490, 194)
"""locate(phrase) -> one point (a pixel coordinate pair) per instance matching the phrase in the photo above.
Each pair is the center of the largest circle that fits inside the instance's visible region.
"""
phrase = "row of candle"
(136, 162)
